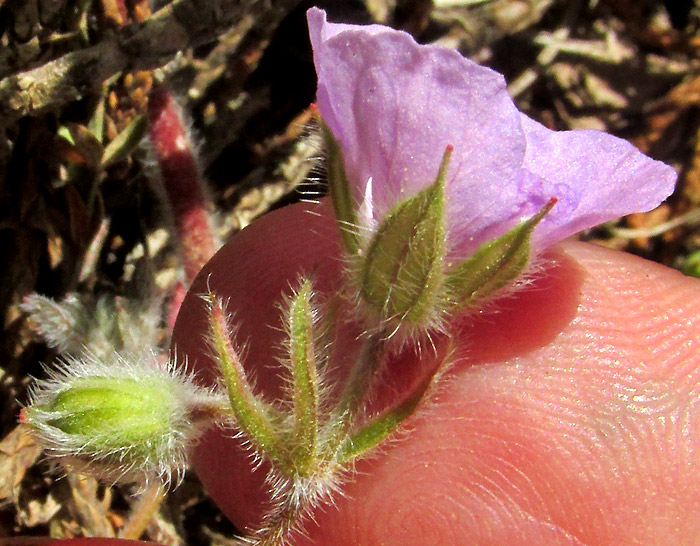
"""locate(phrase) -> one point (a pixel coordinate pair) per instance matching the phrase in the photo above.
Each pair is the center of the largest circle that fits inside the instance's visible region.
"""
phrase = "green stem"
(356, 389)
(371, 434)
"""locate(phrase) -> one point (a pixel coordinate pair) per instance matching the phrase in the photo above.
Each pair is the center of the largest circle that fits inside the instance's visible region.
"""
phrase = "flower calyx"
(126, 420)
(403, 272)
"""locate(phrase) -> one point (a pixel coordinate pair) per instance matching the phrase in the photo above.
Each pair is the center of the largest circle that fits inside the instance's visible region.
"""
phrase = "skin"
(570, 415)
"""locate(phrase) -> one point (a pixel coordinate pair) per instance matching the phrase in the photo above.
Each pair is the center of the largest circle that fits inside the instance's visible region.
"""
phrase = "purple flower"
(394, 106)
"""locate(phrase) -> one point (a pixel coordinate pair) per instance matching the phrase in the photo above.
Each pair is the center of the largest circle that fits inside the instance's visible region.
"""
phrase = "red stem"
(183, 185)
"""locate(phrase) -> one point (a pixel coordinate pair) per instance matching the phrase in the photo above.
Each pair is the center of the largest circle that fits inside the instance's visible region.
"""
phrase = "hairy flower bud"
(124, 420)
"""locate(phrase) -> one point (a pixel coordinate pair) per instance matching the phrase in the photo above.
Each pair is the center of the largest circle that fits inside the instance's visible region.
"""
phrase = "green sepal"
(302, 354)
(254, 417)
(339, 189)
(401, 274)
(494, 264)
(115, 413)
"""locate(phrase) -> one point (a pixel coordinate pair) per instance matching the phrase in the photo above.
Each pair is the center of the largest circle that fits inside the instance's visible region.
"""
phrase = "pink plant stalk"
(184, 186)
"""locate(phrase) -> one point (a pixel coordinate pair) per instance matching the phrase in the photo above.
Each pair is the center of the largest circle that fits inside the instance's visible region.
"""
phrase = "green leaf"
(302, 354)
(691, 264)
(402, 272)
(494, 264)
(377, 430)
(64, 132)
(125, 142)
(341, 195)
(96, 125)
(374, 432)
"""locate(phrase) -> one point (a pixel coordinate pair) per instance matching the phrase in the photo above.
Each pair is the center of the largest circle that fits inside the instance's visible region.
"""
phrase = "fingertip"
(504, 432)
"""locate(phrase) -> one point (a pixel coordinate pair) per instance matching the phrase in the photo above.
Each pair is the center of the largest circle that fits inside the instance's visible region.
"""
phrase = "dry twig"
(149, 44)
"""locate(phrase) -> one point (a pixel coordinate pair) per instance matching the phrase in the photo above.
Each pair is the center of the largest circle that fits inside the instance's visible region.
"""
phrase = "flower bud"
(121, 420)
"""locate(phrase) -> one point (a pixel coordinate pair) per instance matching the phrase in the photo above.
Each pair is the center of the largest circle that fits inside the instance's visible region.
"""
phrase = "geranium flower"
(393, 107)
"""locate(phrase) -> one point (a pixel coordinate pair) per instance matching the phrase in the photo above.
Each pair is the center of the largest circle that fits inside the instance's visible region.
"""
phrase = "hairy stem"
(288, 514)
(183, 184)
(143, 512)
(356, 389)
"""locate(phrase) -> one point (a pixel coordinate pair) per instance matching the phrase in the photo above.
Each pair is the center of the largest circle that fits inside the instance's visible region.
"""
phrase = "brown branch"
(145, 45)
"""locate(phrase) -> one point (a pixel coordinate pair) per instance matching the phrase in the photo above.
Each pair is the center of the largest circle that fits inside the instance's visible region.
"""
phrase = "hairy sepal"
(255, 418)
(401, 273)
(494, 265)
(305, 380)
(339, 189)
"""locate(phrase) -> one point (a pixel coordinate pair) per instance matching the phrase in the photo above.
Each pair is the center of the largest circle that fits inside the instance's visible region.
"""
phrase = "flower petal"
(394, 106)
(595, 176)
